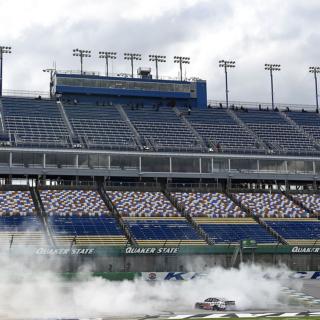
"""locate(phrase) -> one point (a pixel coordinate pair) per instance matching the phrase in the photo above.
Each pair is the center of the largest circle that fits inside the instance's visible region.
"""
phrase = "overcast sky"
(251, 32)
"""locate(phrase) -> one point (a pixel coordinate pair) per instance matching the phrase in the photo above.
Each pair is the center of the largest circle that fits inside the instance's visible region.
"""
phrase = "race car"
(219, 304)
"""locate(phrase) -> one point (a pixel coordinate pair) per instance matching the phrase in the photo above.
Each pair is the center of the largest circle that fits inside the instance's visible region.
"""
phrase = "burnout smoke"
(27, 291)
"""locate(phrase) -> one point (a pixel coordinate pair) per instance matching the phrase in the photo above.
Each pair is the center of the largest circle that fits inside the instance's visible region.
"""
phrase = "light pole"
(51, 71)
(157, 59)
(107, 55)
(227, 64)
(132, 57)
(82, 54)
(272, 67)
(181, 60)
(3, 50)
(315, 70)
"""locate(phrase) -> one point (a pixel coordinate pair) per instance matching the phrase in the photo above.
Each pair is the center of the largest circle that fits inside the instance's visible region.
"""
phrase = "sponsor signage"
(248, 244)
(305, 250)
(65, 251)
(171, 276)
(151, 250)
(314, 275)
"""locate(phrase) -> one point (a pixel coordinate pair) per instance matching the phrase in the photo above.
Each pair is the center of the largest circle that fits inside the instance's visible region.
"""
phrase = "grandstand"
(18, 220)
(114, 162)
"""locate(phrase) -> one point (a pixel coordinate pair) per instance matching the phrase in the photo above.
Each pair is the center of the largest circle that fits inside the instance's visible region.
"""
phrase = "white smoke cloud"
(28, 290)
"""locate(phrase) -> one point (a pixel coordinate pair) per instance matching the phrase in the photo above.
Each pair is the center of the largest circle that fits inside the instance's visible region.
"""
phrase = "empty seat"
(142, 204)
(270, 205)
(213, 204)
(35, 122)
(296, 231)
(163, 231)
(86, 231)
(223, 231)
(73, 202)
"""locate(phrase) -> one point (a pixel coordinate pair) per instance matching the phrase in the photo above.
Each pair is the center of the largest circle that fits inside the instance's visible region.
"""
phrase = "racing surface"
(297, 308)
(312, 288)
(36, 294)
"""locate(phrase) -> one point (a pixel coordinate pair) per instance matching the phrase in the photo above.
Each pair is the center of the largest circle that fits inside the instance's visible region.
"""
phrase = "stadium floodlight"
(3, 50)
(107, 55)
(82, 54)
(181, 60)
(272, 67)
(132, 57)
(52, 72)
(315, 71)
(227, 64)
(157, 59)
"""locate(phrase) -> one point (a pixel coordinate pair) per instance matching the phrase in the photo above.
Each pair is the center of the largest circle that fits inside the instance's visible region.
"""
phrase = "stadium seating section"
(21, 230)
(18, 221)
(221, 131)
(296, 231)
(310, 201)
(40, 122)
(273, 205)
(95, 231)
(34, 122)
(309, 121)
(16, 203)
(208, 204)
(222, 231)
(162, 128)
(276, 132)
(160, 231)
(100, 126)
(73, 202)
(142, 204)
(81, 217)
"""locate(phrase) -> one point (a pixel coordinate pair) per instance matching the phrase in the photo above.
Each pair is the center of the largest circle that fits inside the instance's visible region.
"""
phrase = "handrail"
(123, 75)
(26, 93)
(264, 105)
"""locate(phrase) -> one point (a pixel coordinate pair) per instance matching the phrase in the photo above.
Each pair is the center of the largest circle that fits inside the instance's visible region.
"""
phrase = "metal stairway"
(42, 214)
(115, 213)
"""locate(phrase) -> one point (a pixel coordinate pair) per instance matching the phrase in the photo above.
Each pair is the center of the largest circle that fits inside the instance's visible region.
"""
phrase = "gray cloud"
(251, 32)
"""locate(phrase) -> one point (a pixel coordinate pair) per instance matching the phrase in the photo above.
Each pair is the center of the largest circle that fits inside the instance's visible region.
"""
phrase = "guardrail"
(263, 105)
(27, 93)
(122, 75)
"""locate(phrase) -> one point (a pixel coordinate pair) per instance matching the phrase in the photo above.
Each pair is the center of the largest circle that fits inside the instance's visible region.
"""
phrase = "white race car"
(219, 304)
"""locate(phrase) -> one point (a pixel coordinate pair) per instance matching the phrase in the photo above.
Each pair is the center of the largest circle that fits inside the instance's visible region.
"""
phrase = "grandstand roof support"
(315, 70)
(227, 64)
(3, 50)
(271, 68)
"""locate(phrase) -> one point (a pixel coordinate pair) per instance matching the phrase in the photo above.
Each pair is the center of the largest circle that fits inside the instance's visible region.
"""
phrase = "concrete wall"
(144, 263)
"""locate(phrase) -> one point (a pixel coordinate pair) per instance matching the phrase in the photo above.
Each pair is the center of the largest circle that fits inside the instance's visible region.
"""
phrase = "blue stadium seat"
(160, 231)
(96, 231)
(229, 230)
(221, 131)
(280, 136)
(21, 230)
(296, 231)
(101, 127)
(309, 121)
(163, 129)
(35, 122)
